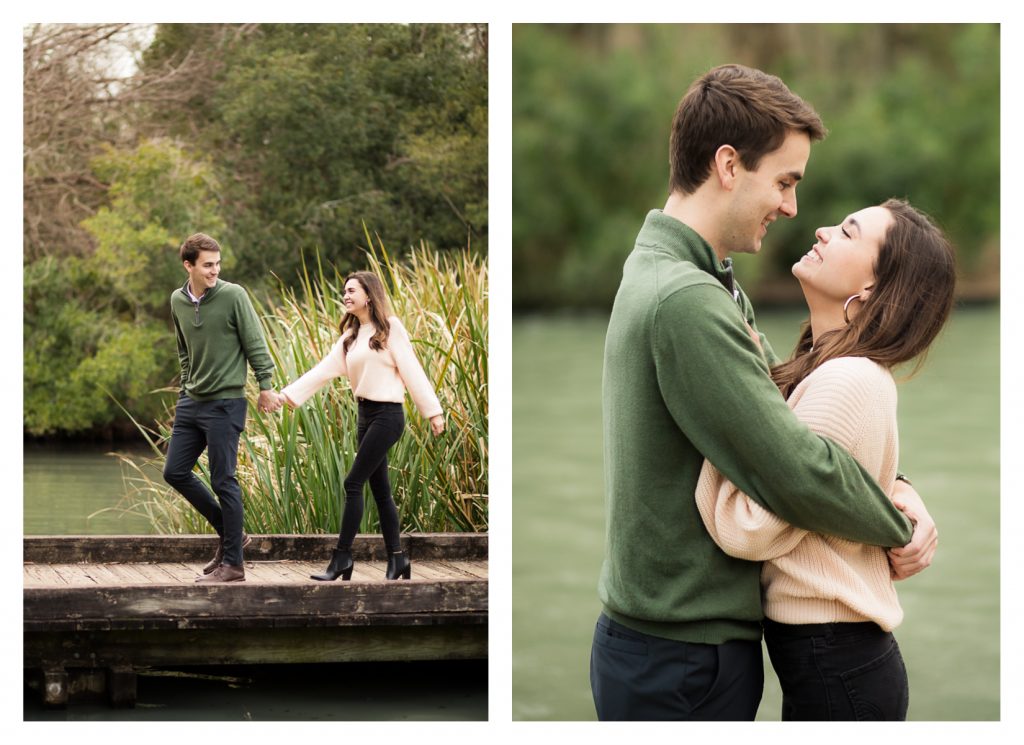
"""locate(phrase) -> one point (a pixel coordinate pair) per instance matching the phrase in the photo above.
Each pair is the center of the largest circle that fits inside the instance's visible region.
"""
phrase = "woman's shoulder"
(396, 324)
(863, 365)
(852, 374)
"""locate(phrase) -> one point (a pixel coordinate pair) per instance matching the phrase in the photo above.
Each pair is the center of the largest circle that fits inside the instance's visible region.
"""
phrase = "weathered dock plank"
(288, 644)
(212, 605)
(473, 569)
(101, 607)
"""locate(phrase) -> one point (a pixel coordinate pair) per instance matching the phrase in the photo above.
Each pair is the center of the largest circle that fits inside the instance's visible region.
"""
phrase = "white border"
(500, 16)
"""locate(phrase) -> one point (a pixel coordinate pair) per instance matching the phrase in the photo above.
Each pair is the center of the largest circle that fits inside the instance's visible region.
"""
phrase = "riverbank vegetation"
(280, 140)
(292, 464)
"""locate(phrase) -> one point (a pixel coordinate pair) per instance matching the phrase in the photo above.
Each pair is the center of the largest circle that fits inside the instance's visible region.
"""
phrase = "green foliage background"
(281, 141)
(320, 127)
(912, 110)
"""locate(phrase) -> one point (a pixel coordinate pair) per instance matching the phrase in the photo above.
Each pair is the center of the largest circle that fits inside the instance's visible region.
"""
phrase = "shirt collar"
(669, 235)
(188, 291)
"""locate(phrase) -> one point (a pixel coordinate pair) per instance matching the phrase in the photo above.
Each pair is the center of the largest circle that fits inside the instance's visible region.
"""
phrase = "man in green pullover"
(686, 377)
(218, 333)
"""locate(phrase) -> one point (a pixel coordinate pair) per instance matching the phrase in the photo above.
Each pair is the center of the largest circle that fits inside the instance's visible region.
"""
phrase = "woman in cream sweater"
(879, 287)
(375, 353)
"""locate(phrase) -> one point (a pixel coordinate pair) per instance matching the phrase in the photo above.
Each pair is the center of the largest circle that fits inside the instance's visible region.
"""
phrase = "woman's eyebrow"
(854, 224)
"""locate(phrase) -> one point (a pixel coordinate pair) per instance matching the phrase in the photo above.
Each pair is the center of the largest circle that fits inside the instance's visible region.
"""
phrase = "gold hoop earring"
(847, 305)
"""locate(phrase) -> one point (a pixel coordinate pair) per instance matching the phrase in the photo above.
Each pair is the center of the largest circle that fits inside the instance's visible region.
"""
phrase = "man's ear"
(727, 165)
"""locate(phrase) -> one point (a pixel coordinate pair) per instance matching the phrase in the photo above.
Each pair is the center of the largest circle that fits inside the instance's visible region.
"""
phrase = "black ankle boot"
(398, 566)
(340, 566)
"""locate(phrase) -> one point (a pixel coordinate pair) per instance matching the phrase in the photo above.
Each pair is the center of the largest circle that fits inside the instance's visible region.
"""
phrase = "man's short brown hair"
(739, 106)
(190, 249)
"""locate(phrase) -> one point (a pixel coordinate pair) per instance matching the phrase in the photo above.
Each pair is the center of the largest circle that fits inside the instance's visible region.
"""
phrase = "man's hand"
(269, 401)
(437, 424)
(917, 555)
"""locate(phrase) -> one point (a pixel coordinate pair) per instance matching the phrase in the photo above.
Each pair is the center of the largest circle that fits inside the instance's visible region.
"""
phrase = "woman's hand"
(917, 555)
(437, 424)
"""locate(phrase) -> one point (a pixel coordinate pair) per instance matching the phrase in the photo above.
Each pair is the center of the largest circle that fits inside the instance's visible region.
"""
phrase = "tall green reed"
(292, 464)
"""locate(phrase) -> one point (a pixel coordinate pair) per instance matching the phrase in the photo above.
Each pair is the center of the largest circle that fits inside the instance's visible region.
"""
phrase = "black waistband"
(370, 402)
(820, 629)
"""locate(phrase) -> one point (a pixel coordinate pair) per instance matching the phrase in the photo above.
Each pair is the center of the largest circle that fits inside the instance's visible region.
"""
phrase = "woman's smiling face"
(842, 261)
(355, 297)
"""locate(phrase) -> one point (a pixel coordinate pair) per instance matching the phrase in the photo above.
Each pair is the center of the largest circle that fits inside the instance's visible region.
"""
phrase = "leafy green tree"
(158, 197)
(78, 353)
(318, 129)
(96, 328)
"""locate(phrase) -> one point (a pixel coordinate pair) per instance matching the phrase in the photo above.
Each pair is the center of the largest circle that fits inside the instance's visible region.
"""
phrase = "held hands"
(437, 424)
(270, 401)
(917, 555)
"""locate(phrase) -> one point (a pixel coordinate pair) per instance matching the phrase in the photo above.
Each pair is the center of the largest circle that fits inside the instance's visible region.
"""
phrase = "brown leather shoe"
(218, 558)
(224, 573)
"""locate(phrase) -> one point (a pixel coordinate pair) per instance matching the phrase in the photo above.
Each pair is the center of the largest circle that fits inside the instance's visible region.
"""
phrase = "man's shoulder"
(667, 274)
(684, 275)
(234, 294)
(230, 288)
(669, 292)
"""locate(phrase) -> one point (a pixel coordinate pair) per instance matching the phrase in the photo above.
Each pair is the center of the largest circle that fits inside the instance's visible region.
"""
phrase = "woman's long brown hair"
(380, 309)
(910, 301)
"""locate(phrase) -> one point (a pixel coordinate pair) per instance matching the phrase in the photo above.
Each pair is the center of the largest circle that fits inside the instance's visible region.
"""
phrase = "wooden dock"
(97, 609)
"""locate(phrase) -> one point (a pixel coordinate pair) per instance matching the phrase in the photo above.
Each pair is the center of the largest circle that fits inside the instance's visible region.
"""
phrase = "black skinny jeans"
(838, 671)
(214, 426)
(379, 426)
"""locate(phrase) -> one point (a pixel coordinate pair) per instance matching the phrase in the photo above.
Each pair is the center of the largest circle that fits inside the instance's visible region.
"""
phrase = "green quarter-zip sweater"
(216, 336)
(684, 380)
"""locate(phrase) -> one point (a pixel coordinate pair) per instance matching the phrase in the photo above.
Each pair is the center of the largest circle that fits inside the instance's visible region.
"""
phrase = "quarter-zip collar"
(668, 235)
(197, 302)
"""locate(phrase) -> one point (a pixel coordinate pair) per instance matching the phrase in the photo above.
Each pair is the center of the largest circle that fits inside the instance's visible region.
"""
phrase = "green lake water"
(949, 441)
(78, 491)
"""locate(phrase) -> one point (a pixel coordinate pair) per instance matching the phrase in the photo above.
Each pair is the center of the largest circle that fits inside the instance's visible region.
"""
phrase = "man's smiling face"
(203, 274)
(763, 195)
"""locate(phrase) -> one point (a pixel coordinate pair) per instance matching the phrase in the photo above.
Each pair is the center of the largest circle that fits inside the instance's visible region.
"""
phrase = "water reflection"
(377, 691)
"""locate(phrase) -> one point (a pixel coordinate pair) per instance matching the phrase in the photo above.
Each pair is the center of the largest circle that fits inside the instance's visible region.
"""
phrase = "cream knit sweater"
(808, 577)
(378, 375)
